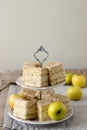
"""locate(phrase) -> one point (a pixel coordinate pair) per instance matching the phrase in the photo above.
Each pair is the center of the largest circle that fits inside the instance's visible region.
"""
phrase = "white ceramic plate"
(35, 122)
(19, 82)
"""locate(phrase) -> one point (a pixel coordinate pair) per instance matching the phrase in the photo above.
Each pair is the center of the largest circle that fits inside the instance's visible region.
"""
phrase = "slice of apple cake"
(42, 110)
(27, 92)
(25, 109)
(56, 72)
(34, 75)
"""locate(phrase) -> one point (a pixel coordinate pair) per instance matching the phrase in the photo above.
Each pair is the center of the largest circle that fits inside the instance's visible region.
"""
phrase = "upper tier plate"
(20, 83)
(36, 122)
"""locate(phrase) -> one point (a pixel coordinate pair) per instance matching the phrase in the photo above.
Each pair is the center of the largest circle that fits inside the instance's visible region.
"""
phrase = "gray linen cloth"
(77, 122)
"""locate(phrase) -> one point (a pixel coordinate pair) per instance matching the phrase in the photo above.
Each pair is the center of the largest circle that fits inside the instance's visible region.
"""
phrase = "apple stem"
(59, 112)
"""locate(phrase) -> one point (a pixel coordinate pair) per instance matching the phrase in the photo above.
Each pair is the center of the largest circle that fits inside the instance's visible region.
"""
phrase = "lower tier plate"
(36, 122)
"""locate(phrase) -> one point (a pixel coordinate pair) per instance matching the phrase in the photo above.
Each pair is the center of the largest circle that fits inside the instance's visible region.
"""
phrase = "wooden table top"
(9, 78)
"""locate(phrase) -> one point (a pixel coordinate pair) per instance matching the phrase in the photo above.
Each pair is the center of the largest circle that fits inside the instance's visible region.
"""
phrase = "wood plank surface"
(74, 71)
(10, 77)
(84, 71)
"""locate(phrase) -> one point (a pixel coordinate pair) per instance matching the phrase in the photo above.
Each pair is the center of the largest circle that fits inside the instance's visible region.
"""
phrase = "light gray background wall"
(59, 25)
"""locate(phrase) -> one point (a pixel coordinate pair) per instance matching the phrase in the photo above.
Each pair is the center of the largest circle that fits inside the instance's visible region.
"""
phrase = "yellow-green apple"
(74, 93)
(68, 78)
(79, 80)
(57, 110)
(12, 98)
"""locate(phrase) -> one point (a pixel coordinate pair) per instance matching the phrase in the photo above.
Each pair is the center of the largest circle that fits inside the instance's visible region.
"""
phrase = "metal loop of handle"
(38, 50)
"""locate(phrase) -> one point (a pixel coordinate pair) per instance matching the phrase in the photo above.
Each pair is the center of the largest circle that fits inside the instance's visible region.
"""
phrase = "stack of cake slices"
(48, 75)
(31, 107)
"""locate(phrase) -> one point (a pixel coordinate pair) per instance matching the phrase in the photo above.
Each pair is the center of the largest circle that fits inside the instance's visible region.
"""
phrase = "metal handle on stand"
(39, 50)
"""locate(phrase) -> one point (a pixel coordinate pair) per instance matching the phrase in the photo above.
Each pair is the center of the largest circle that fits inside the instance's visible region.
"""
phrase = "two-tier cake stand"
(20, 83)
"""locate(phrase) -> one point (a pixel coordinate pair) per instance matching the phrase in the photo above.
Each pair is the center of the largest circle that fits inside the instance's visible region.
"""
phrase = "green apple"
(68, 78)
(79, 80)
(74, 93)
(57, 110)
